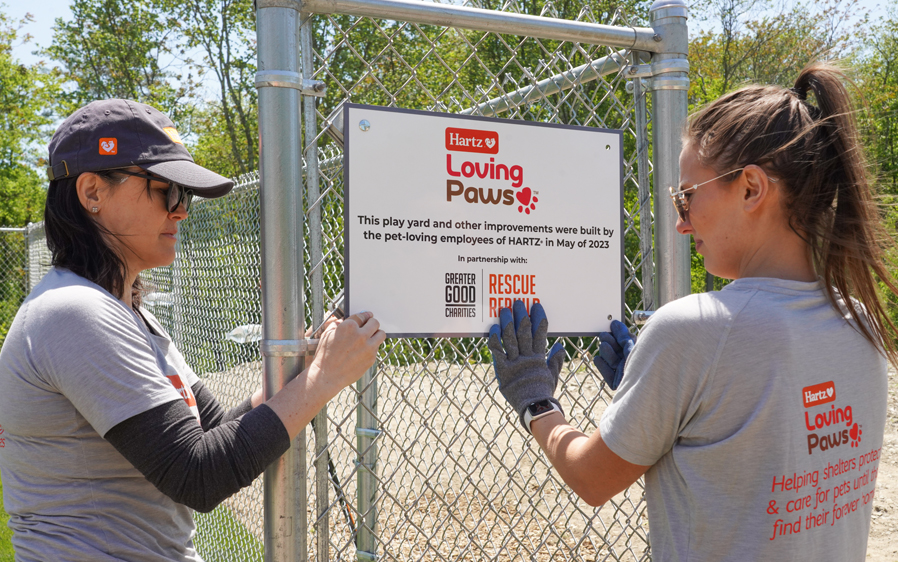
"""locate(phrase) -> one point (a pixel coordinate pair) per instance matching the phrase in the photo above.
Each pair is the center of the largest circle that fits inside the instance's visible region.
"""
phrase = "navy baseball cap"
(110, 134)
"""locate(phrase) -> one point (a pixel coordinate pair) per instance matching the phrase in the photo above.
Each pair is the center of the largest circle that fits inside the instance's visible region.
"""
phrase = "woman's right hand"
(347, 349)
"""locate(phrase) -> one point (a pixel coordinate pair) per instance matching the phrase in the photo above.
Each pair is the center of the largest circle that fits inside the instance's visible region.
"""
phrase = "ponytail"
(813, 147)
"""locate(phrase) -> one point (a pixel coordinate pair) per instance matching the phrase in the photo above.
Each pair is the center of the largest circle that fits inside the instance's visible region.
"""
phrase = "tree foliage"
(764, 42)
(119, 49)
(877, 71)
(26, 94)
(758, 42)
(224, 32)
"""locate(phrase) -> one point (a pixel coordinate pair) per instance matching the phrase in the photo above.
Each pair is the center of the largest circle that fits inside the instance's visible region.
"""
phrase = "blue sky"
(45, 13)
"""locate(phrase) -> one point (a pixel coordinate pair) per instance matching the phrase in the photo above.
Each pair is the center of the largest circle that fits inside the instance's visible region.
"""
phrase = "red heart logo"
(524, 196)
(854, 432)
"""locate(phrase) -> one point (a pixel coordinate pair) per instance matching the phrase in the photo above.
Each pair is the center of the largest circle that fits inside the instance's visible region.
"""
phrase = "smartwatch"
(538, 410)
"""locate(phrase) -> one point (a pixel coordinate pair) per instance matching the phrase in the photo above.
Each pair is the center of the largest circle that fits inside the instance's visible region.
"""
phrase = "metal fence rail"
(422, 460)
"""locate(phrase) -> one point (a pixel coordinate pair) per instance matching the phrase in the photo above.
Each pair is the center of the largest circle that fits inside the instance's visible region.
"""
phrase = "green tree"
(759, 42)
(224, 32)
(26, 93)
(753, 42)
(877, 71)
(117, 49)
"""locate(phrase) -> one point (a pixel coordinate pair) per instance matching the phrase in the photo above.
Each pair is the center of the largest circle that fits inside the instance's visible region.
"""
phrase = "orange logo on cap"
(108, 146)
(173, 134)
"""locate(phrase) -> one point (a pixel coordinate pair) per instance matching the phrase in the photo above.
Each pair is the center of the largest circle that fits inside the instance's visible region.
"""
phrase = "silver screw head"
(364, 125)
(610, 317)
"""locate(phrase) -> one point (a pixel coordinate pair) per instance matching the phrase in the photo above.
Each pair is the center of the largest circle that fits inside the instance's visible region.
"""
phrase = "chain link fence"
(423, 460)
(13, 275)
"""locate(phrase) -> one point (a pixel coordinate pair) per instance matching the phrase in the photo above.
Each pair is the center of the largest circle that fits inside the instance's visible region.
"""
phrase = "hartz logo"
(486, 173)
(818, 394)
(472, 140)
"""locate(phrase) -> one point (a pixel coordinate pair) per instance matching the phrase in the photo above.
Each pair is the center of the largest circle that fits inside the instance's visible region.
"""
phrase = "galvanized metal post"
(367, 433)
(322, 500)
(669, 85)
(280, 123)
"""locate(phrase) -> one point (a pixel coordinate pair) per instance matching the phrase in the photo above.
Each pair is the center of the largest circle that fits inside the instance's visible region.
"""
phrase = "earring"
(94, 209)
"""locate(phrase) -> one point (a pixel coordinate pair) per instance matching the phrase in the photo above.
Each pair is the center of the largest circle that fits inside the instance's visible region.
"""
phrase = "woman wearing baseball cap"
(110, 438)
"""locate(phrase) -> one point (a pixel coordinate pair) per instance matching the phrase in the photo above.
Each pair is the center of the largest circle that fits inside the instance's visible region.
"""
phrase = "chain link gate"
(422, 460)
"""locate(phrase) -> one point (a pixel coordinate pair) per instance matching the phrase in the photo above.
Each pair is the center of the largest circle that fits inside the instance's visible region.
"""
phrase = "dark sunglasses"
(176, 193)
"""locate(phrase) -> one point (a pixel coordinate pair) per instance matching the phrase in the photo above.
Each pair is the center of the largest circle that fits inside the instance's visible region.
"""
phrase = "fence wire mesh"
(423, 460)
(13, 275)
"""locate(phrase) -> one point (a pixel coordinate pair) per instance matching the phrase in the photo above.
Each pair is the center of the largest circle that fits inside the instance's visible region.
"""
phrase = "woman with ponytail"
(756, 412)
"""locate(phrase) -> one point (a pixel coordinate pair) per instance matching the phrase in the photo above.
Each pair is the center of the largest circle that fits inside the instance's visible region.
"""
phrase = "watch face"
(540, 407)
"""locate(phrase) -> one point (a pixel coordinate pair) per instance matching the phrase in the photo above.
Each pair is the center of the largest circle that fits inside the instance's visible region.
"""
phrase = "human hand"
(347, 348)
(518, 344)
(614, 349)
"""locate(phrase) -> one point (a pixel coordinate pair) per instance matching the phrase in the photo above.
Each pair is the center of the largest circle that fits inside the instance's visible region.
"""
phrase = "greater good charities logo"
(489, 173)
(108, 147)
(824, 427)
(461, 295)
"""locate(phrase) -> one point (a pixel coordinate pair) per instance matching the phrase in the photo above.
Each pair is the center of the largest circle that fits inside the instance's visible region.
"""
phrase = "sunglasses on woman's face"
(176, 194)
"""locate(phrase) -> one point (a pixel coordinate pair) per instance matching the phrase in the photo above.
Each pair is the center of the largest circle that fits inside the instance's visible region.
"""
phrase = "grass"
(221, 538)
(224, 539)
(6, 552)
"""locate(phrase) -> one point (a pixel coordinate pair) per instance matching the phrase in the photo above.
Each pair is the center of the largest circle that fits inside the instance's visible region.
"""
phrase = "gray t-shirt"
(761, 412)
(75, 363)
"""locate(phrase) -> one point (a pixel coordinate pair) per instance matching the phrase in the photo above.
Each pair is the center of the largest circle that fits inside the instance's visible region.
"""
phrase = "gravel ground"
(883, 543)
(447, 447)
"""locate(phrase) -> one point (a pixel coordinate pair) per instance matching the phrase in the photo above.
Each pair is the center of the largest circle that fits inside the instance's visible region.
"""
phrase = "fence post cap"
(667, 8)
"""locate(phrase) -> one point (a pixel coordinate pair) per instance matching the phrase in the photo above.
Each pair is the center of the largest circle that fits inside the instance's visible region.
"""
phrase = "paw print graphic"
(527, 199)
(855, 434)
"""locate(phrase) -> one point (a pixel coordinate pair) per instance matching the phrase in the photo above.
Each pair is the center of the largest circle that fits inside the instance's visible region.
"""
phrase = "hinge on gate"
(650, 74)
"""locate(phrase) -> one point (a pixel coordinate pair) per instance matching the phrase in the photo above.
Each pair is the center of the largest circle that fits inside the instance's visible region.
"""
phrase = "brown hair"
(78, 243)
(815, 152)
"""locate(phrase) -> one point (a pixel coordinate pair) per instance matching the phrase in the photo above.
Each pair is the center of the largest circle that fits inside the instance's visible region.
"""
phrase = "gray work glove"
(518, 344)
(614, 349)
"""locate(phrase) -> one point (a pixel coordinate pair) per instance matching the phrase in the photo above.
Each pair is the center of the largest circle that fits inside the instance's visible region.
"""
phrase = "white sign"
(448, 219)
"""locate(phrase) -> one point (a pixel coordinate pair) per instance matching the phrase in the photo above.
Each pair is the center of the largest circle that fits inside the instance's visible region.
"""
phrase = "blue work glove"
(518, 344)
(613, 352)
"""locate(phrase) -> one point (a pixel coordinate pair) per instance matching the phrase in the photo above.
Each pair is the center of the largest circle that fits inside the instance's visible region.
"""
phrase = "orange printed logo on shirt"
(818, 394)
(183, 390)
(108, 147)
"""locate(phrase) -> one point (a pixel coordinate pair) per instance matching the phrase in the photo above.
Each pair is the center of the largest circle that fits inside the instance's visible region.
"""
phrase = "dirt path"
(445, 446)
(883, 543)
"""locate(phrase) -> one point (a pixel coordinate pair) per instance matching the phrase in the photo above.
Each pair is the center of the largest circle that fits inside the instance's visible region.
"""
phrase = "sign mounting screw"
(364, 125)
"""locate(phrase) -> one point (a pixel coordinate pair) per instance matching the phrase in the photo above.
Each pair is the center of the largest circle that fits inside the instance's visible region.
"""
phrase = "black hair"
(78, 243)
